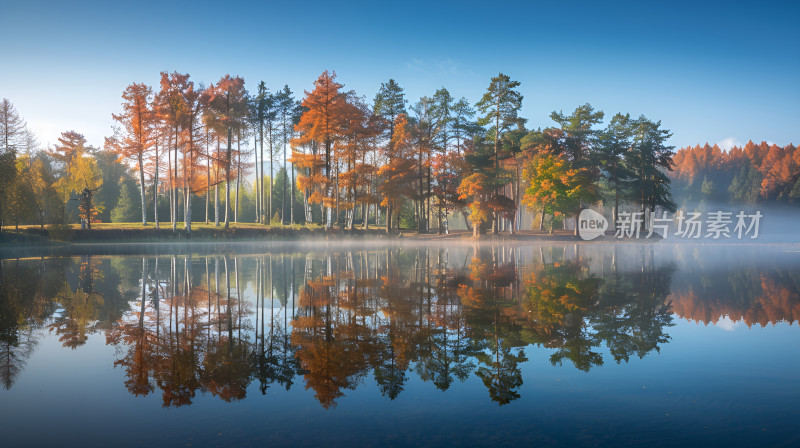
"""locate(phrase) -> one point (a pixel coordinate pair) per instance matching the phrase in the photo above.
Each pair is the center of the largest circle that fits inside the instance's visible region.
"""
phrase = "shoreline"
(115, 235)
(129, 241)
(36, 237)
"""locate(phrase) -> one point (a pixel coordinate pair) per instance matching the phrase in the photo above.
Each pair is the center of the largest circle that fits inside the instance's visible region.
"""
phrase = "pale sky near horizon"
(711, 72)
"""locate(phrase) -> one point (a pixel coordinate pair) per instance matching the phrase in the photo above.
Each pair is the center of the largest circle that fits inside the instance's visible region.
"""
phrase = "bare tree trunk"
(517, 200)
(496, 221)
(227, 179)
(216, 189)
(155, 191)
(258, 193)
(421, 202)
(187, 186)
(175, 187)
(271, 175)
(389, 218)
(307, 207)
(616, 210)
(428, 198)
(291, 205)
(208, 175)
(238, 175)
(336, 191)
(439, 219)
(285, 178)
(169, 173)
(142, 189)
(261, 185)
(187, 221)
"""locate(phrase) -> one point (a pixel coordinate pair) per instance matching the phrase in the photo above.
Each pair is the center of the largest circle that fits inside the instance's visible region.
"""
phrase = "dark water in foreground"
(576, 345)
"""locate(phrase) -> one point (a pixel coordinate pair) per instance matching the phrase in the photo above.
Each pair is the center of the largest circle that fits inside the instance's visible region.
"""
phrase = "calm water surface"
(574, 345)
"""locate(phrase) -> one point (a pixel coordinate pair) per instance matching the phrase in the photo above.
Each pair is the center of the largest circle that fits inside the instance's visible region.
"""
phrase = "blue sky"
(709, 71)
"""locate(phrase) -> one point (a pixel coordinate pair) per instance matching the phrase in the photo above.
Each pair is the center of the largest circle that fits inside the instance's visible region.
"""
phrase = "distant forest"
(755, 173)
(220, 153)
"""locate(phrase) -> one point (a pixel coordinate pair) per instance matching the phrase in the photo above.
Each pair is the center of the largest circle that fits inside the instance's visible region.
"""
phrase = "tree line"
(340, 159)
(749, 174)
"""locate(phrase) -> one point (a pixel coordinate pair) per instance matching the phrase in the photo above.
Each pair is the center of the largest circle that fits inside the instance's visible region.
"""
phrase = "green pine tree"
(649, 160)
(126, 210)
(707, 188)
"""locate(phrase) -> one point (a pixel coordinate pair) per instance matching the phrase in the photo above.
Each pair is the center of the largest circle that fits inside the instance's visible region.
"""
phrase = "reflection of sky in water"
(716, 380)
(727, 324)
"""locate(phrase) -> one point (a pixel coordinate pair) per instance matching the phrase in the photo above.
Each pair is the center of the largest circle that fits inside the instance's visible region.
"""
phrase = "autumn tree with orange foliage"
(179, 107)
(193, 138)
(136, 137)
(322, 123)
(744, 174)
(555, 186)
(448, 169)
(79, 172)
(480, 188)
(397, 174)
(172, 108)
(356, 173)
(226, 109)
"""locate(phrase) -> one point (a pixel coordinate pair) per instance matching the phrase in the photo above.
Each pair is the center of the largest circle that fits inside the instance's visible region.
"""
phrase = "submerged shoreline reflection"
(217, 324)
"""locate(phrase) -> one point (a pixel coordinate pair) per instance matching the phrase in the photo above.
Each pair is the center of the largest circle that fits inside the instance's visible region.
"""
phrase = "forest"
(184, 152)
(752, 174)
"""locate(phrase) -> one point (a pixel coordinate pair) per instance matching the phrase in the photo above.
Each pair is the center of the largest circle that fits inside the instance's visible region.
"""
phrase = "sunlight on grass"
(195, 226)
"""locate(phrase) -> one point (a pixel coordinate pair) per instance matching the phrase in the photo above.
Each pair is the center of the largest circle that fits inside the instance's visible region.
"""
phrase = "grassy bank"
(111, 233)
(130, 232)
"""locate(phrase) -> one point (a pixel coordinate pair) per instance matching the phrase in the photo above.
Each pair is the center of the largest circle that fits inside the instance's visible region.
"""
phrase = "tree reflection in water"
(80, 306)
(337, 320)
(27, 289)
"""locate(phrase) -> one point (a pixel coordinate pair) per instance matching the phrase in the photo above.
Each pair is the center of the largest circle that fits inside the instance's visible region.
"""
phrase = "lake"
(395, 345)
